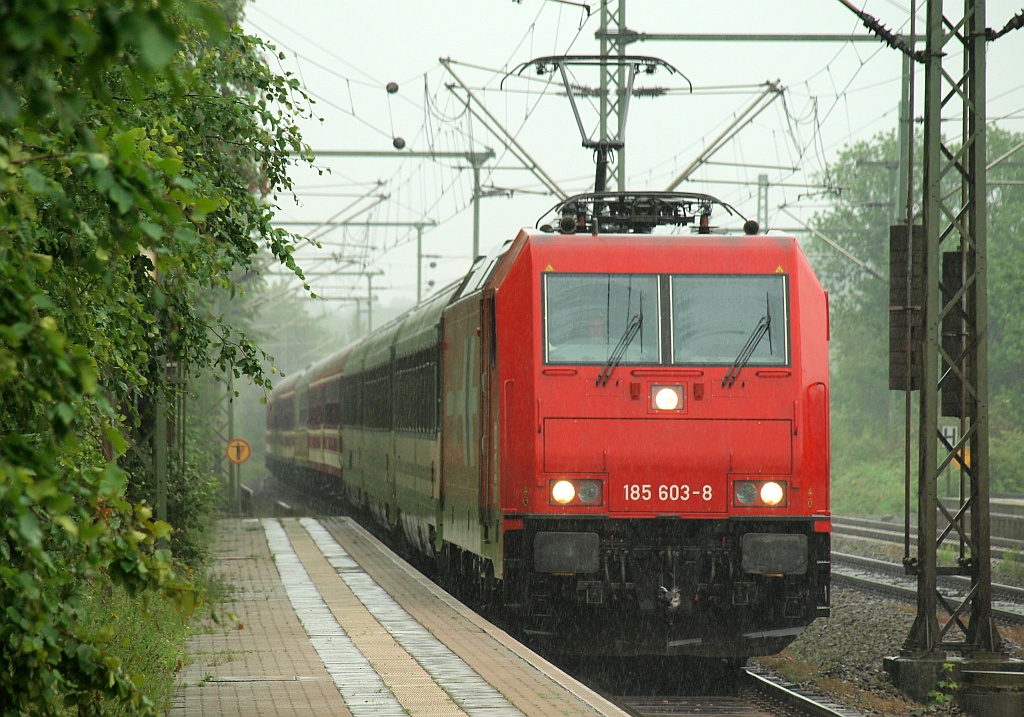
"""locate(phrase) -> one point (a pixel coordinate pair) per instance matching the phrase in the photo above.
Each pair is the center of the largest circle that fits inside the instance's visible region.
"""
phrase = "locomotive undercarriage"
(672, 588)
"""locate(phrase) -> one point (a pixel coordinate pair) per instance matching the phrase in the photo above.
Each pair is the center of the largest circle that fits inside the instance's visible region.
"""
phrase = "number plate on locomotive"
(680, 497)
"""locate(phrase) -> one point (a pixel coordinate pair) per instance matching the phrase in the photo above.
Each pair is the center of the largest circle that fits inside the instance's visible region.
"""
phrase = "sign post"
(238, 452)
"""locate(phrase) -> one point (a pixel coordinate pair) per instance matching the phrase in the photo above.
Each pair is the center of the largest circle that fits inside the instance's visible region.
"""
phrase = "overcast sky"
(345, 54)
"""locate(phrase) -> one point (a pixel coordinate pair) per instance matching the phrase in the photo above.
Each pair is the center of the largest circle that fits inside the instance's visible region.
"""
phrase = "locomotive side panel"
(513, 416)
(814, 403)
(461, 420)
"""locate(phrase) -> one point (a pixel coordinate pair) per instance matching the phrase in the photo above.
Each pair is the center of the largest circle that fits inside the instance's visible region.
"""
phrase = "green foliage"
(945, 690)
(1011, 564)
(146, 632)
(868, 433)
(1006, 455)
(134, 137)
(869, 487)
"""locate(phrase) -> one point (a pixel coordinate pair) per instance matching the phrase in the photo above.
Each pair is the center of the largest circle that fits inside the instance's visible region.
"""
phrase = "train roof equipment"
(636, 213)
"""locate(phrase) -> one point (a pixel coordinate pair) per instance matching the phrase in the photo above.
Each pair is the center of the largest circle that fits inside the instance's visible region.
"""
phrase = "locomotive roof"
(416, 328)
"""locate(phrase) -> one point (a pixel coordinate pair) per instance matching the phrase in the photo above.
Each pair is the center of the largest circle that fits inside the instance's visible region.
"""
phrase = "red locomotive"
(619, 437)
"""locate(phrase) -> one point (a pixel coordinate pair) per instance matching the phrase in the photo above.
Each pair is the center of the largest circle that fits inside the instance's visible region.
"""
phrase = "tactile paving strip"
(467, 688)
(409, 682)
(362, 688)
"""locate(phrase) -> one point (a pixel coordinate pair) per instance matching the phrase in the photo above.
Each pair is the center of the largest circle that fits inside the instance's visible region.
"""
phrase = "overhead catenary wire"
(862, 264)
(447, 122)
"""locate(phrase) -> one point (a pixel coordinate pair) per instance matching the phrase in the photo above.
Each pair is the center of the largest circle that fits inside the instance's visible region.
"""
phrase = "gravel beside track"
(842, 656)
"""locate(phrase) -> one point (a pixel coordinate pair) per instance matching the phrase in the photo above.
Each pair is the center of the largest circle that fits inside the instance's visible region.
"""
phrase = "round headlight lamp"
(772, 493)
(666, 398)
(563, 492)
(589, 491)
(746, 493)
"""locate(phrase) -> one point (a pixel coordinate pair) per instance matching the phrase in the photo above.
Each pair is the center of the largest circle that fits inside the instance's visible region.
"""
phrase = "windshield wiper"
(753, 340)
(632, 328)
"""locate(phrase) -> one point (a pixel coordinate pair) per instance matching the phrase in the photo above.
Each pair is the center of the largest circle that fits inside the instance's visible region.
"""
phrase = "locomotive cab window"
(717, 320)
(586, 316)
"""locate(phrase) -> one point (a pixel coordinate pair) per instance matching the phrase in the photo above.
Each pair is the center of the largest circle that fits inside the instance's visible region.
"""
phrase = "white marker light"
(746, 493)
(667, 398)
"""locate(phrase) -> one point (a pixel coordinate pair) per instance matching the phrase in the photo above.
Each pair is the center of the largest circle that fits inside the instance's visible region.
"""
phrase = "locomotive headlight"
(666, 398)
(759, 493)
(563, 492)
(589, 491)
(746, 493)
(772, 493)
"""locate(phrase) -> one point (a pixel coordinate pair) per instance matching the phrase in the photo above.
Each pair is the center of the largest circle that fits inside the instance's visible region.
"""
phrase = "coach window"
(714, 318)
(415, 383)
(587, 315)
(303, 398)
(285, 420)
(378, 406)
(316, 406)
(332, 403)
(352, 400)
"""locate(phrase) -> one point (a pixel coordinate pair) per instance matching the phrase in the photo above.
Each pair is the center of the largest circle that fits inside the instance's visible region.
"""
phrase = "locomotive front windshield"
(681, 319)
(589, 315)
(717, 319)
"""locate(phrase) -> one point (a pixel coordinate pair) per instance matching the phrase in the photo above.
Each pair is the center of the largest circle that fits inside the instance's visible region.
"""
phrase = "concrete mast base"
(982, 687)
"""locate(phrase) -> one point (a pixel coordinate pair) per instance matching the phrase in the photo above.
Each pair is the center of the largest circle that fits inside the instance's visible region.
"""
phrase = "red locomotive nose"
(621, 436)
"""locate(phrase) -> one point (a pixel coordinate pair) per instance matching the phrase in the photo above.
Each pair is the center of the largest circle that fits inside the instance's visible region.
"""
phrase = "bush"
(869, 487)
(1006, 461)
(146, 632)
(133, 134)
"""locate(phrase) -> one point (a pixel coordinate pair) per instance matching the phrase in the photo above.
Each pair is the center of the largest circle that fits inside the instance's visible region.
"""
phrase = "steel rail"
(866, 583)
(775, 690)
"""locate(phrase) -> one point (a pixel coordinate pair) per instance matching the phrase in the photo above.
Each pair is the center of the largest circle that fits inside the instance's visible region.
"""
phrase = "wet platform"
(328, 621)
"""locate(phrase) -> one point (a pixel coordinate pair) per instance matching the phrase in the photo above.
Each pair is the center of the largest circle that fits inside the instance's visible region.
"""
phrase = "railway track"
(887, 576)
(757, 695)
(889, 537)
(1004, 547)
(883, 578)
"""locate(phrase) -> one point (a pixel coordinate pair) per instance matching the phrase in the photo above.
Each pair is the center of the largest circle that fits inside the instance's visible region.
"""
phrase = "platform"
(330, 622)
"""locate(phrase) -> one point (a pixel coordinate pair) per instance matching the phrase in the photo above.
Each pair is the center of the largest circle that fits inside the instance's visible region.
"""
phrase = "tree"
(135, 138)
(1006, 303)
(867, 422)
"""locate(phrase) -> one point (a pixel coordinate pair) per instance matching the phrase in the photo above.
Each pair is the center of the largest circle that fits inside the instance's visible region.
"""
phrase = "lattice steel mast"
(613, 81)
